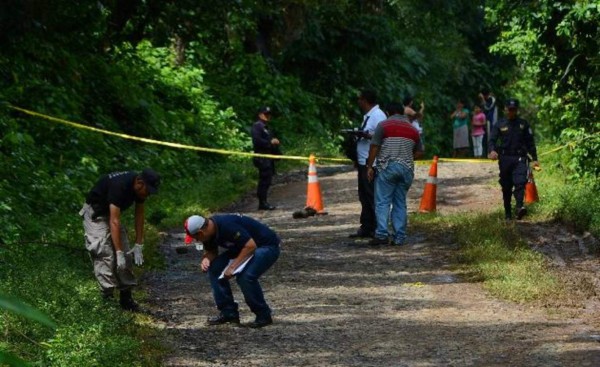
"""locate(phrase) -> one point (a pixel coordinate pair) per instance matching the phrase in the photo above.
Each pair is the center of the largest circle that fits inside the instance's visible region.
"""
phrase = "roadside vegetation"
(195, 72)
(493, 252)
(496, 252)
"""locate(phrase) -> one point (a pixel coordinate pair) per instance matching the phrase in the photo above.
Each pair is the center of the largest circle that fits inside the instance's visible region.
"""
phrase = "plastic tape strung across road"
(164, 143)
(208, 150)
(232, 152)
(465, 160)
(570, 144)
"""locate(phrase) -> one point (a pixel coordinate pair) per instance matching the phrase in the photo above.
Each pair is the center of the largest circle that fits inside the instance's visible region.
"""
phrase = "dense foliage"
(558, 46)
(195, 72)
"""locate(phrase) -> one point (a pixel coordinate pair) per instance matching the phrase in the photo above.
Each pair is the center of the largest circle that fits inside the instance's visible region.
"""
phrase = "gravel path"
(338, 302)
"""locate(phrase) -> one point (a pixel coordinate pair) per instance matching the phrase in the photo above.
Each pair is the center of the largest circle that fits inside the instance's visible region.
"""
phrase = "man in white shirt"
(367, 102)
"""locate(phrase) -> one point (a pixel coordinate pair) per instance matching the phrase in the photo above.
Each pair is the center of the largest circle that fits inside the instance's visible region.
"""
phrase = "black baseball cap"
(151, 179)
(264, 109)
(512, 103)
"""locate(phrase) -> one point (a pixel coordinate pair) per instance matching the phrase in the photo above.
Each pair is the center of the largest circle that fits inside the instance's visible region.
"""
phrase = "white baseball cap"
(192, 226)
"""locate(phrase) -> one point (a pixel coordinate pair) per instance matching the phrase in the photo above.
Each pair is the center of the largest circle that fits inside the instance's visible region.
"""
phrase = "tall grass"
(500, 256)
(495, 251)
(573, 202)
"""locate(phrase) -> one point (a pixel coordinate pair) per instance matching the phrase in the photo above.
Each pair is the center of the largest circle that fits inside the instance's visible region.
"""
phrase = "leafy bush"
(557, 43)
(566, 198)
(59, 282)
(584, 149)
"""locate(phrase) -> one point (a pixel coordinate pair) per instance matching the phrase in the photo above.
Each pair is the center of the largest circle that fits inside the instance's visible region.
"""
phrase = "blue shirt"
(233, 231)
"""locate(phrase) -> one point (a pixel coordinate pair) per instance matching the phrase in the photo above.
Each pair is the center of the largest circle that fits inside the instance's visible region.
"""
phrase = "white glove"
(138, 255)
(121, 262)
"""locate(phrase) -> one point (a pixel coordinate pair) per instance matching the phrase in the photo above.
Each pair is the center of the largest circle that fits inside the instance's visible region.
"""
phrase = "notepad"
(239, 268)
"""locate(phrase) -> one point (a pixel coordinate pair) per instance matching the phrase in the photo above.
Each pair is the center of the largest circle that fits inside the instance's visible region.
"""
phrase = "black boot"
(107, 294)
(263, 205)
(261, 322)
(127, 303)
(507, 211)
(521, 212)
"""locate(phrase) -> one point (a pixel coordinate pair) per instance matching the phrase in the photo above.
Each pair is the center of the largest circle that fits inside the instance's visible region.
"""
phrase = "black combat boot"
(107, 294)
(127, 303)
(261, 322)
(507, 212)
(521, 212)
(263, 205)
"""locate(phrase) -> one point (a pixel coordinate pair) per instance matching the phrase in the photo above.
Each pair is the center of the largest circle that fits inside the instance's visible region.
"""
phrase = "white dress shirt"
(373, 118)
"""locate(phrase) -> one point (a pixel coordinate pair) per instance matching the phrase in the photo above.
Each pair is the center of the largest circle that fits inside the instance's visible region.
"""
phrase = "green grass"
(493, 252)
(510, 269)
(575, 203)
(89, 332)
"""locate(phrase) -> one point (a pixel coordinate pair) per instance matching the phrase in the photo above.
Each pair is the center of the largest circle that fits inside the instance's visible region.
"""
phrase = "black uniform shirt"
(115, 188)
(261, 138)
(516, 138)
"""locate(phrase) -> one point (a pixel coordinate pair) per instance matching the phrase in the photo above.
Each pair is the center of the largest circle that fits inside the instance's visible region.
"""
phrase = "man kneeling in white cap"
(251, 249)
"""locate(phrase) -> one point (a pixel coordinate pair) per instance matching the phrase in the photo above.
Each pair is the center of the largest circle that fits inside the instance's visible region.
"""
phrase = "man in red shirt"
(395, 144)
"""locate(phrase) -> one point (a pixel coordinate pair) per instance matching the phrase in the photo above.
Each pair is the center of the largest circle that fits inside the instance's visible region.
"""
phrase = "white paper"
(239, 268)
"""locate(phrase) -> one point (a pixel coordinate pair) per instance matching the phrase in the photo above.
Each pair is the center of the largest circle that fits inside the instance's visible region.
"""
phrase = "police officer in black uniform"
(264, 143)
(512, 143)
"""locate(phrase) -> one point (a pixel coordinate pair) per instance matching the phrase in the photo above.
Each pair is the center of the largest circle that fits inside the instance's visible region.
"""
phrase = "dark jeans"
(366, 195)
(513, 173)
(247, 280)
(266, 170)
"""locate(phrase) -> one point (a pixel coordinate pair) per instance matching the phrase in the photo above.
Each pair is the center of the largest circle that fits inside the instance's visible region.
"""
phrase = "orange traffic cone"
(428, 199)
(313, 194)
(531, 194)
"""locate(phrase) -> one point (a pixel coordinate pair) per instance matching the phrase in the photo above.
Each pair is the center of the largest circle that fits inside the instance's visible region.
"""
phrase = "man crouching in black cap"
(106, 237)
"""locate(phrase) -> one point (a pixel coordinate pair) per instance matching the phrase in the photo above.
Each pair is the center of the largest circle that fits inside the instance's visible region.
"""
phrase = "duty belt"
(518, 152)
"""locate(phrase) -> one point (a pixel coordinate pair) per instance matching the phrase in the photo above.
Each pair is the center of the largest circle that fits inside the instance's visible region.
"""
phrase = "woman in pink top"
(477, 131)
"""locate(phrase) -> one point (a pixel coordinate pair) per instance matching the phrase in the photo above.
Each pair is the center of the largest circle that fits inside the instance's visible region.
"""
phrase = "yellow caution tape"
(172, 145)
(423, 162)
(465, 160)
(244, 154)
(570, 144)
(158, 142)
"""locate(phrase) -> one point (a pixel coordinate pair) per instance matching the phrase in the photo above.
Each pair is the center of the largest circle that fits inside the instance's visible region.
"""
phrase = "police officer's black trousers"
(266, 170)
(513, 174)
(366, 195)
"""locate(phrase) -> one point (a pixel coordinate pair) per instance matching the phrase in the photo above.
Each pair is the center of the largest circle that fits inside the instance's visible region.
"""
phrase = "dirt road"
(338, 302)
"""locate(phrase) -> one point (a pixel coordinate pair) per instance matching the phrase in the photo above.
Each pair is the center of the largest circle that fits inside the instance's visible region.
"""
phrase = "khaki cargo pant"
(99, 244)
